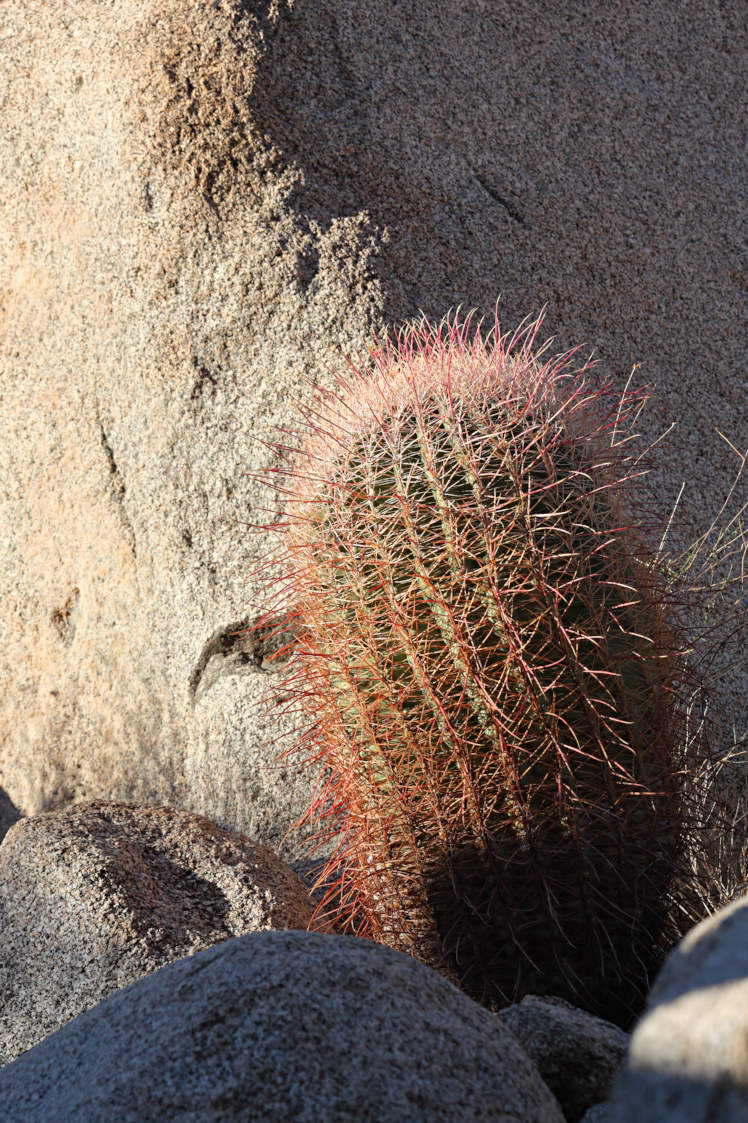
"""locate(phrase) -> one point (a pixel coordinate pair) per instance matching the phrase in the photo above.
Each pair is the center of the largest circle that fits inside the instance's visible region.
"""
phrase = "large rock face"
(98, 895)
(279, 1026)
(201, 205)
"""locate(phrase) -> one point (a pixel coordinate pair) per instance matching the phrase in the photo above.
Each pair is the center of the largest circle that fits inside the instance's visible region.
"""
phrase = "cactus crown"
(488, 668)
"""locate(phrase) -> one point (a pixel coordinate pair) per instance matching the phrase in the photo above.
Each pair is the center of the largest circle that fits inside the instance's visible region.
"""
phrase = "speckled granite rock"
(688, 1060)
(98, 895)
(282, 1026)
(576, 1053)
(200, 205)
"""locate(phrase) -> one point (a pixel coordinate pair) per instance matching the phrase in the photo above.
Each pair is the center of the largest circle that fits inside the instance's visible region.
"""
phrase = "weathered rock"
(161, 299)
(688, 1059)
(96, 896)
(576, 1053)
(279, 1026)
(200, 205)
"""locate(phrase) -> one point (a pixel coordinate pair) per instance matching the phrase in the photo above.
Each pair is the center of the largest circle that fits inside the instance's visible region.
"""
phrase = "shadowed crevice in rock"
(511, 208)
(246, 647)
(205, 384)
(9, 813)
(64, 618)
(116, 484)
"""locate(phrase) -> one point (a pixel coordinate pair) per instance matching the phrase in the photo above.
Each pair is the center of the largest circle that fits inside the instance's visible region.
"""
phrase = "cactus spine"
(488, 668)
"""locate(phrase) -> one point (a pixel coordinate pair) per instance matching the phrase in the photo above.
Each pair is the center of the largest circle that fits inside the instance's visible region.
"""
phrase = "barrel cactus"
(488, 666)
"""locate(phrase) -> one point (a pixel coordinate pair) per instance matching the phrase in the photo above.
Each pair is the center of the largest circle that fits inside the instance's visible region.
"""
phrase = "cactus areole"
(487, 667)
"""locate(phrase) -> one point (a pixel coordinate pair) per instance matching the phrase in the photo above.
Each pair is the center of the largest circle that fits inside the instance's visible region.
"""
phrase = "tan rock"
(201, 205)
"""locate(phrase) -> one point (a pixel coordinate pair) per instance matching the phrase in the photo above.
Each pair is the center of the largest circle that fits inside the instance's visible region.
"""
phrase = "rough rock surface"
(576, 1053)
(96, 896)
(200, 205)
(688, 1059)
(282, 1026)
(596, 1114)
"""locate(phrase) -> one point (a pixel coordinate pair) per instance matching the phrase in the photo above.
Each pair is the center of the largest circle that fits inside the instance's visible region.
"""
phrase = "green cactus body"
(489, 672)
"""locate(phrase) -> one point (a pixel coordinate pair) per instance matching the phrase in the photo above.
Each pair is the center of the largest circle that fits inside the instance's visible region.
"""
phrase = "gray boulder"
(596, 1114)
(282, 1026)
(98, 895)
(577, 1054)
(203, 204)
(688, 1060)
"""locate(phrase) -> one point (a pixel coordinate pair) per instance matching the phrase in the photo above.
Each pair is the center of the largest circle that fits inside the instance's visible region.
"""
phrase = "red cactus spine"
(488, 668)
